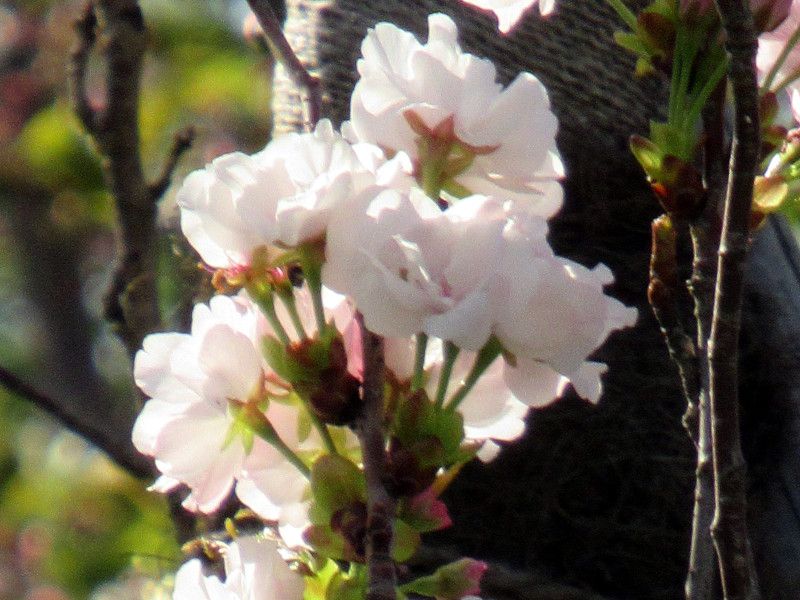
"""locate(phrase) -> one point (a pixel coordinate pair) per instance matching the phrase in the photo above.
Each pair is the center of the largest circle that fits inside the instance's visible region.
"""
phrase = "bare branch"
(663, 294)
(704, 232)
(284, 54)
(123, 455)
(181, 142)
(117, 28)
(85, 28)
(380, 505)
(729, 529)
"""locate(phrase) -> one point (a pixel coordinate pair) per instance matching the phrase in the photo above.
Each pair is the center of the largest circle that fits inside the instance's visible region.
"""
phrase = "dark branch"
(380, 505)
(705, 231)
(134, 463)
(181, 142)
(663, 293)
(117, 28)
(85, 27)
(284, 54)
(729, 529)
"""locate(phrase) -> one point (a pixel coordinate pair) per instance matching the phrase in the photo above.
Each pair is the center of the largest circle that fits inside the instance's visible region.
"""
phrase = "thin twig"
(704, 231)
(117, 27)
(663, 294)
(181, 142)
(729, 529)
(284, 54)
(382, 578)
(131, 302)
(134, 463)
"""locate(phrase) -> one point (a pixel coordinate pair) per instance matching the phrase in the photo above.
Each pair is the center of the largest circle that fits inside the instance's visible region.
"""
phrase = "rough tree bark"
(601, 498)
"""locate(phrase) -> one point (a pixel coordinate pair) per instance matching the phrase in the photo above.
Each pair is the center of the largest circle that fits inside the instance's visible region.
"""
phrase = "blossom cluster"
(423, 220)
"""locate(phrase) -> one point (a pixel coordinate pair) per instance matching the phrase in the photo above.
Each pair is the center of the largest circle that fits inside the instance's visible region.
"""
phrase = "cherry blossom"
(510, 12)
(281, 195)
(470, 272)
(554, 314)
(191, 380)
(410, 267)
(493, 139)
(254, 570)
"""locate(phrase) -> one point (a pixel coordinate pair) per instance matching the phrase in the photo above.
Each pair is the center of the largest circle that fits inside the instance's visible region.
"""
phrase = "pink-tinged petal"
(231, 363)
(468, 324)
(795, 94)
(293, 522)
(209, 221)
(587, 381)
(163, 485)
(192, 584)
(534, 383)
(488, 451)
(214, 487)
(150, 421)
(510, 12)
(151, 365)
(256, 570)
(268, 491)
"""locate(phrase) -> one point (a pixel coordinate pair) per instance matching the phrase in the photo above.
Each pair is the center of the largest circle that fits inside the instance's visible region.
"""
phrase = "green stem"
(287, 297)
(790, 78)
(325, 433)
(705, 93)
(266, 302)
(432, 178)
(773, 72)
(419, 362)
(677, 68)
(625, 13)
(450, 355)
(490, 351)
(311, 264)
(321, 427)
(261, 426)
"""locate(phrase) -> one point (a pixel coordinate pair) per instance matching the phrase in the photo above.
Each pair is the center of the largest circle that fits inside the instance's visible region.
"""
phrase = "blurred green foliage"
(69, 519)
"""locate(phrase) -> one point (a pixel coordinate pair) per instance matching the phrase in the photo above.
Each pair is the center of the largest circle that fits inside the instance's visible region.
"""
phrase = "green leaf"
(335, 483)
(326, 542)
(406, 541)
(350, 586)
(317, 584)
(282, 363)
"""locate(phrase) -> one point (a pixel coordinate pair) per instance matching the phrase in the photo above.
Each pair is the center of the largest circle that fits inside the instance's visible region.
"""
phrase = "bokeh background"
(73, 525)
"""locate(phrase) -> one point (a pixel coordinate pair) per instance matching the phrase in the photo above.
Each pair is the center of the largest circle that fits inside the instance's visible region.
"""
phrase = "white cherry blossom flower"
(282, 195)
(191, 380)
(254, 570)
(554, 314)
(509, 12)
(411, 267)
(470, 272)
(208, 200)
(509, 133)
